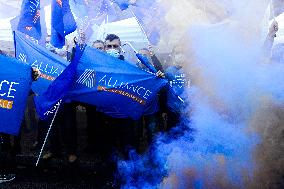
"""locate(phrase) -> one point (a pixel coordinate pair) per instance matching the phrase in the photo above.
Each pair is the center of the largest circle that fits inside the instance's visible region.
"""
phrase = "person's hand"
(273, 29)
(82, 36)
(164, 116)
(35, 74)
(160, 74)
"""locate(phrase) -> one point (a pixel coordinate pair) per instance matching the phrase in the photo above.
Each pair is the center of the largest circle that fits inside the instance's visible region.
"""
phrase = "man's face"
(99, 46)
(114, 44)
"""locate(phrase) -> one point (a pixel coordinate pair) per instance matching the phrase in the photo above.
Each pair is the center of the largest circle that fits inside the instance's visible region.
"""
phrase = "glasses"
(112, 46)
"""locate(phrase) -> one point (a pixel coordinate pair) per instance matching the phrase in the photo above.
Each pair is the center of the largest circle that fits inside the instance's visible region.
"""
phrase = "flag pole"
(140, 25)
(47, 134)
(131, 46)
(272, 9)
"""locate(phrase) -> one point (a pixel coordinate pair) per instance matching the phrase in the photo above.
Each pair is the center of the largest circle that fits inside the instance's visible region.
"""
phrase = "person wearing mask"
(113, 46)
(121, 131)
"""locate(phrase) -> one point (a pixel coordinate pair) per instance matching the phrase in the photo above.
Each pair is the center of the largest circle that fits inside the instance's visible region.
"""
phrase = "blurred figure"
(99, 44)
(148, 52)
(150, 122)
(69, 46)
(7, 169)
(48, 45)
(178, 81)
(120, 132)
(63, 51)
(82, 38)
(64, 127)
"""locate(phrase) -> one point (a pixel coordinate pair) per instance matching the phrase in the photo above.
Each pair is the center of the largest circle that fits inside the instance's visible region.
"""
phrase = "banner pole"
(272, 9)
(131, 46)
(47, 134)
(140, 25)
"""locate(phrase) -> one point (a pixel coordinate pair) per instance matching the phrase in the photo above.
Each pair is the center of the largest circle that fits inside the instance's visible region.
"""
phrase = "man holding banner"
(15, 83)
(118, 88)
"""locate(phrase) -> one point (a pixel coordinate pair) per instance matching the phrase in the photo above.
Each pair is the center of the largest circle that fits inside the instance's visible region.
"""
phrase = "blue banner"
(49, 64)
(144, 60)
(15, 22)
(29, 22)
(46, 102)
(62, 22)
(118, 88)
(15, 81)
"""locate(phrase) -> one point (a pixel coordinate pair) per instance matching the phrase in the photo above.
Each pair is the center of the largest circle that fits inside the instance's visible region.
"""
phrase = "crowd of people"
(108, 138)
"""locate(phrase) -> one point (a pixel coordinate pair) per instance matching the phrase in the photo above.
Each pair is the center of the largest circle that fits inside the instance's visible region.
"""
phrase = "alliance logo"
(88, 78)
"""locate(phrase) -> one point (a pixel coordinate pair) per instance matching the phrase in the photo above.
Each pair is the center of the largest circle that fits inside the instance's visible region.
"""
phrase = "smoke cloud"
(234, 135)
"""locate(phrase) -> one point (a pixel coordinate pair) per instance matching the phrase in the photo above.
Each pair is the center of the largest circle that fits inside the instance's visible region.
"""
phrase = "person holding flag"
(174, 95)
(128, 135)
(13, 100)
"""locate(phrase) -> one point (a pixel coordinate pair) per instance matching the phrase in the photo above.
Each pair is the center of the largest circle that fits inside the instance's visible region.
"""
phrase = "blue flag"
(62, 22)
(49, 64)
(15, 81)
(123, 4)
(29, 22)
(106, 9)
(46, 102)
(144, 60)
(142, 10)
(15, 22)
(118, 88)
(79, 8)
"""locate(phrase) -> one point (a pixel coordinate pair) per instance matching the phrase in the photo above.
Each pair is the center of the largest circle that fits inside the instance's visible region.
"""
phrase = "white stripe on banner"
(88, 78)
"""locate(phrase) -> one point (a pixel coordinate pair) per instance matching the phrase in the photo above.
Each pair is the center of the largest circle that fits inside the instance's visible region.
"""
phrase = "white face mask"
(113, 52)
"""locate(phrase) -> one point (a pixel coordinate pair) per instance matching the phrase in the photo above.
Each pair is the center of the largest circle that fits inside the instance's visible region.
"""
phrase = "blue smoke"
(217, 148)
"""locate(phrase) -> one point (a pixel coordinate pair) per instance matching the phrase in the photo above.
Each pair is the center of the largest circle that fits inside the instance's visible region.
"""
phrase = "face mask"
(113, 52)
